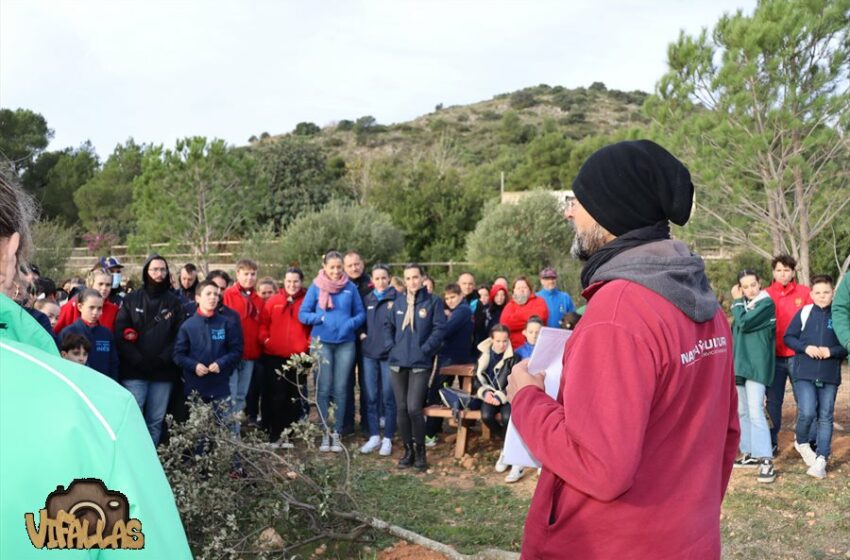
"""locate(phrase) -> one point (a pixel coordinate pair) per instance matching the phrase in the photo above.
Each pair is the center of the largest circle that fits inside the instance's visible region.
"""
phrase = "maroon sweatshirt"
(638, 448)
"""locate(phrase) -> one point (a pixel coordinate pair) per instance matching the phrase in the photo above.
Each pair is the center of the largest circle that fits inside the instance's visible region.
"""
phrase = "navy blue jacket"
(204, 340)
(44, 321)
(457, 334)
(374, 345)
(103, 356)
(415, 348)
(818, 332)
(338, 324)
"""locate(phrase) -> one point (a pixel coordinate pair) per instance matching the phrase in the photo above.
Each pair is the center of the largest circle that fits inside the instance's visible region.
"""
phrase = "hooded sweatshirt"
(95, 429)
(146, 328)
(558, 303)
(638, 447)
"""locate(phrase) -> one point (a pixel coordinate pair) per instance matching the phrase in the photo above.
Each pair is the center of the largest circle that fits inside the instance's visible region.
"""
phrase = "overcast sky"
(156, 71)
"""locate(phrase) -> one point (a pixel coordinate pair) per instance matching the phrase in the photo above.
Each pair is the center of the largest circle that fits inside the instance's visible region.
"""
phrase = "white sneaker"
(326, 443)
(805, 451)
(386, 447)
(371, 445)
(336, 443)
(515, 474)
(501, 466)
(818, 468)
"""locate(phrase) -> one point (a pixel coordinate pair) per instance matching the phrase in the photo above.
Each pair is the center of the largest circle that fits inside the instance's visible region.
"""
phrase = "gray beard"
(588, 242)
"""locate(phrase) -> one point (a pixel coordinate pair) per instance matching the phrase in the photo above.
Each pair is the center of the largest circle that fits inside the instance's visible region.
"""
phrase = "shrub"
(306, 129)
(522, 238)
(345, 125)
(522, 100)
(340, 226)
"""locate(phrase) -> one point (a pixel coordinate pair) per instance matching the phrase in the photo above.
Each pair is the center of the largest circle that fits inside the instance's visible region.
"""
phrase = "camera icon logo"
(86, 515)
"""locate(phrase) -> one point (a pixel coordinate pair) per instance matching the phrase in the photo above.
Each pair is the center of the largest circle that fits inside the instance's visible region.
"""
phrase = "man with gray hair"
(638, 446)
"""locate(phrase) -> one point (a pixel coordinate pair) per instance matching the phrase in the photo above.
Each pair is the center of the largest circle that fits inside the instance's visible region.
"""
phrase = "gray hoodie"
(668, 268)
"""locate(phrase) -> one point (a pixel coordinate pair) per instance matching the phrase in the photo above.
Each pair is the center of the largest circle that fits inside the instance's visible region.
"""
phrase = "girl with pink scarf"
(334, 309)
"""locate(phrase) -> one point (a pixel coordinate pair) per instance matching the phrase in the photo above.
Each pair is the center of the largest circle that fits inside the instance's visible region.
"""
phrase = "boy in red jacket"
(282, 335)
(638, 447)
(242, 298)
(789, 297)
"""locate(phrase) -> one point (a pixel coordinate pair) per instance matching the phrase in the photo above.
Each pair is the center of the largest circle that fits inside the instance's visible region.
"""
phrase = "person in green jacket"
(841, 312)
(753, 341)
(61, 422)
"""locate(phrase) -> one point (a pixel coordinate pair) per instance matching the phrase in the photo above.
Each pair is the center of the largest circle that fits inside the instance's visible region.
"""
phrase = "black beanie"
(630, 185)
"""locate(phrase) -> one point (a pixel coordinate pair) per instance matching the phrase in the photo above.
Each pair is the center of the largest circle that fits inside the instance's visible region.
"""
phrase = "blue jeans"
(240, 381)
(152, 397)
(755, 435)
(815, 404)
(335, 361)
(376, 385)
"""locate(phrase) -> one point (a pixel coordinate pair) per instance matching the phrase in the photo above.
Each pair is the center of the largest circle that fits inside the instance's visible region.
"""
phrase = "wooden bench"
(465, 373)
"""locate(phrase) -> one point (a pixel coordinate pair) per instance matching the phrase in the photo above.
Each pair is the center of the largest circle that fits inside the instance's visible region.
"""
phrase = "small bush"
(522, 100)
(340, 226)
(334, 142)
(345, 125)
(521, 238)
(490, 115)
(306, 129)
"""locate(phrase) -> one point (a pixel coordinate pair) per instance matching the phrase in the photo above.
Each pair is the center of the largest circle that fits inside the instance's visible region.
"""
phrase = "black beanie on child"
(630, 185)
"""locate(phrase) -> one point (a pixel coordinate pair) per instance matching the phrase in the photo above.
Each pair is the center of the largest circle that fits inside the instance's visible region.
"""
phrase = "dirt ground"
(482, 456)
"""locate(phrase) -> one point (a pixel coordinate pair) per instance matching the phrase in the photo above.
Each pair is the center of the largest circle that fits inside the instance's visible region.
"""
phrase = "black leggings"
(488, 416)
(281, 401)
(410, 386)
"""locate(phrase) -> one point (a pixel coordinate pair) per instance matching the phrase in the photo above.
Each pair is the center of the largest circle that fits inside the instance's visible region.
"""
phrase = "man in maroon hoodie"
(638, 447)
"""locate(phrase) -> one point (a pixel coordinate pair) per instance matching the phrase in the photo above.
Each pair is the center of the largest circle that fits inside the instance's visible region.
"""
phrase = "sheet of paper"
(548, 357)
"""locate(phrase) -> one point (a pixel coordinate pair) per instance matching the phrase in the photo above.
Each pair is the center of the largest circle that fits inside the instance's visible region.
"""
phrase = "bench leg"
(460, 444)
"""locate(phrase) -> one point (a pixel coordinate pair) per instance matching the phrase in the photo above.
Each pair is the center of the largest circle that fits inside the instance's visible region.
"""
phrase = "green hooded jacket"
(841, 312)
(754, 339)
(60, 421)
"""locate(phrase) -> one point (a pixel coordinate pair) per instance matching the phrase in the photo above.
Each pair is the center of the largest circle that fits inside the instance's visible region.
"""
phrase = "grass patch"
(480, 516)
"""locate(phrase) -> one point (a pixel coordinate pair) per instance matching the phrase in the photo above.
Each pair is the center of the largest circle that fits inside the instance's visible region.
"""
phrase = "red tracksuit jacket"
(638, 448)
(281, 333)
(234, 299)
(68, 314)
(789, 299)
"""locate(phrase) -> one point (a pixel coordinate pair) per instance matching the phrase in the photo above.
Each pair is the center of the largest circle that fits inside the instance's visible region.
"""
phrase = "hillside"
(468, 136)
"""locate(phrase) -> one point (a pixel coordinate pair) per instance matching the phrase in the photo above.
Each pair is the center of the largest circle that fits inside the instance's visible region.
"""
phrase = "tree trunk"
(803, 224)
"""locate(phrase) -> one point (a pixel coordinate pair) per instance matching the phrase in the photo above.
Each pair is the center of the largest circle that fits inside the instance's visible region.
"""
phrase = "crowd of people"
(229, 340)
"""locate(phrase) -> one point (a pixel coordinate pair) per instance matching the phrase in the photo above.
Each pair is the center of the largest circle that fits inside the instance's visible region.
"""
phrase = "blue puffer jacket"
(338, 324)
(818, 332)
(457, 336)
(415, 348)
(374, 345)
(204, 340)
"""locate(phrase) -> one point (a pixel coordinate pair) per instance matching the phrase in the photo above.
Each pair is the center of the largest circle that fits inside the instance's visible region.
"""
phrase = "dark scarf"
(630, 239)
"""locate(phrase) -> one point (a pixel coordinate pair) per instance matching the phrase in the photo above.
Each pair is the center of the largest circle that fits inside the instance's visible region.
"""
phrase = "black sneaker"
(746, 461)
(766, 473)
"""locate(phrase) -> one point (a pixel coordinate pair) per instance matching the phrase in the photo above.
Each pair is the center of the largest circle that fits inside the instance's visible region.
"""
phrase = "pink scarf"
(327, 287)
